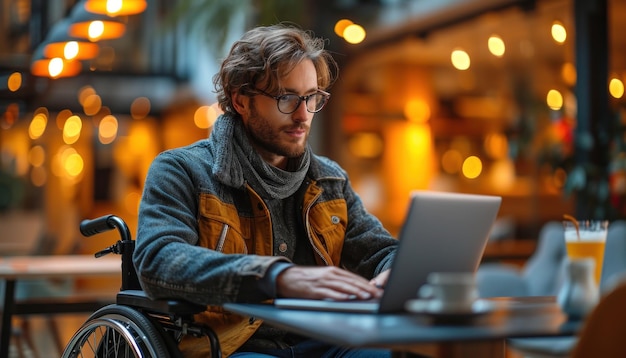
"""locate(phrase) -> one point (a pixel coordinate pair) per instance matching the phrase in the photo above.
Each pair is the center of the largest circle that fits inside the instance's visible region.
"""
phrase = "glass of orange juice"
(587, 239)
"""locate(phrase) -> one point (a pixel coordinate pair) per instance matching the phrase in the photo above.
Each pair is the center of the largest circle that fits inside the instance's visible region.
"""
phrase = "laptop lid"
(442, 232)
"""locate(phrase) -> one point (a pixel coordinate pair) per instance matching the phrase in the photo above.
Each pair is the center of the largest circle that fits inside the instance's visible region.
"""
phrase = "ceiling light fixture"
(94, 27)
(56, 67)
(116, 7)
(58, 43)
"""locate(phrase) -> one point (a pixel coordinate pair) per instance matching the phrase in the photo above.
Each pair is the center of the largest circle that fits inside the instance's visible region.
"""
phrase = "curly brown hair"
(263, 55)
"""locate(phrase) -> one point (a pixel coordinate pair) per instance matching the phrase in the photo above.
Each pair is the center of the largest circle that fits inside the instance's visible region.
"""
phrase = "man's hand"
(380, 281)
(327, 282)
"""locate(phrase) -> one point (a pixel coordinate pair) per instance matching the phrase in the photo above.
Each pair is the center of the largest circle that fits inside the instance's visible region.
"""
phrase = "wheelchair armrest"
(138, 298)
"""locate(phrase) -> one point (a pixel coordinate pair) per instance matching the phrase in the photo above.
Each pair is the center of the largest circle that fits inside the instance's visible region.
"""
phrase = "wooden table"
(408, 332)
(17, 268)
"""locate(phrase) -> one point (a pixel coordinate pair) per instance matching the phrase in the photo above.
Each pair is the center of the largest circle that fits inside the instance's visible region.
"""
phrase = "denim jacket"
(198, 238)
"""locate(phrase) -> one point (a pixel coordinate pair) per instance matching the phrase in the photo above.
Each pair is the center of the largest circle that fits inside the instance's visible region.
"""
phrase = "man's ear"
(240, 102)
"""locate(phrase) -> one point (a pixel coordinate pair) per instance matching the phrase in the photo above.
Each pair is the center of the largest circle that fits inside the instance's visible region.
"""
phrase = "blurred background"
(517, 98)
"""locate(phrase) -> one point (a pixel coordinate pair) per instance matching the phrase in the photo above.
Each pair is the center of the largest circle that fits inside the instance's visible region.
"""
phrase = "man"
(251, 214)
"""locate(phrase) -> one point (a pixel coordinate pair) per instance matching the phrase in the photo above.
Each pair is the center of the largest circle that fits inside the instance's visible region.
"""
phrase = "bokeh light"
(366, 145)
(37, 125)
(460, 59)
(496, 45)
(554, 100)
(472, 167)
(107, 129)
(140, 108)
(559, 34)
(354, 34)
(340, 26)
(616, 88)
(417, 110)
(71, 129)
(14, 82)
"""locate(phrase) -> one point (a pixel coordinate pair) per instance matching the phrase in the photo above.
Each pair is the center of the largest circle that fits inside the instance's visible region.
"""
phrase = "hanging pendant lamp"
(94, 27)
(58, 43)
(116, 7)
(56, 67)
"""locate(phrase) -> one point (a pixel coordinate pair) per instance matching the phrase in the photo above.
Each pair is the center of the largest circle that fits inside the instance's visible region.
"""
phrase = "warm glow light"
(554, 99)
(472, 167)
(451, 161)
(496, 45)
(460, 60)
(140, 108)
(85, 92)
(131, 202)
(38, 176)
(67, 163)
(92, 104)
(502, 175)
(354, 34)
(418, 142)
(496, 145)
(340, 26)
(366, 145)
(142, 138)
(417, 110)
(107, 129)
(71, 129)
(97, 30)
(616, 88)
(14, 82)
(568, 73)
(559, 34)
(205, 116)
(71, 50)
(36, 156)
(112, 6)
(73, 165)
(10, 116)
(37, 126)
(55, 68)
(116, 7)
(62, 117)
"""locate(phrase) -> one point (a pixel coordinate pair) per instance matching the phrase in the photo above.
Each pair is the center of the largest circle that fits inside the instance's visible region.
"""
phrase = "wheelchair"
(135, 325)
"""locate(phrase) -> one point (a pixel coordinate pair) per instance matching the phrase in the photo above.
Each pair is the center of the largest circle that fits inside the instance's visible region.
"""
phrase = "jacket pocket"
(219, 226)
(328, 221)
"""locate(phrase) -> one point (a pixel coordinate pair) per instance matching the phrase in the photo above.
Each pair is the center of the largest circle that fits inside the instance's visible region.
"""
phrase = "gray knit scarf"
(237, 163)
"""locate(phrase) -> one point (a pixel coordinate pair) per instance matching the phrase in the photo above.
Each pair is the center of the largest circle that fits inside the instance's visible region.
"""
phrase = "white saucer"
(479, 307)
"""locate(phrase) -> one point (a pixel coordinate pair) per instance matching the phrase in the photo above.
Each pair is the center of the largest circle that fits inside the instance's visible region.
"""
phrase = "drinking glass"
(587, 240)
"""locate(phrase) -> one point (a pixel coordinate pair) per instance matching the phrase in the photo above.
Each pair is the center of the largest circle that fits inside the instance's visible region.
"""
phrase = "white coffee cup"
(450, 291)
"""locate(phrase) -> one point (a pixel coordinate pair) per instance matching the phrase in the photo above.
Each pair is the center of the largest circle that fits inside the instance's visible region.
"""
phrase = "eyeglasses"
(289, 103)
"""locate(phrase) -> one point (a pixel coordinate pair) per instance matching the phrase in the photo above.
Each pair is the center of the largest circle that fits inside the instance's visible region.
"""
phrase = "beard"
(265, 136)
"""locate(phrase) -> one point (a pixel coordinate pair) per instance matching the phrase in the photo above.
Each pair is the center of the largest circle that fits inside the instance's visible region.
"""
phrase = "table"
(16, 268)
(512, 317)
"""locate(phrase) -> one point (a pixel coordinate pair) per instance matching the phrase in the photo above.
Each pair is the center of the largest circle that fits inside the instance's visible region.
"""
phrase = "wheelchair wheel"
(117, 331)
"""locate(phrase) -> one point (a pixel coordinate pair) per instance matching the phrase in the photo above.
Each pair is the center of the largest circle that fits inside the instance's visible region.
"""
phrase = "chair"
(541, 276)
(602, 334)
(135, 325)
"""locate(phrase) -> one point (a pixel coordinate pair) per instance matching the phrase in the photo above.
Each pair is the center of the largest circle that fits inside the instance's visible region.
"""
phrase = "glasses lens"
(288, 103)
(316, 102)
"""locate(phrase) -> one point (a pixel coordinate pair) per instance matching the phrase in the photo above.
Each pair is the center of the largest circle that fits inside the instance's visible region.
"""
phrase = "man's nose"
(301, 114)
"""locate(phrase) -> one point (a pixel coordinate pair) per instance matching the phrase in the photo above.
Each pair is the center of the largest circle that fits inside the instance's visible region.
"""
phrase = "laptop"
(442, 232)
